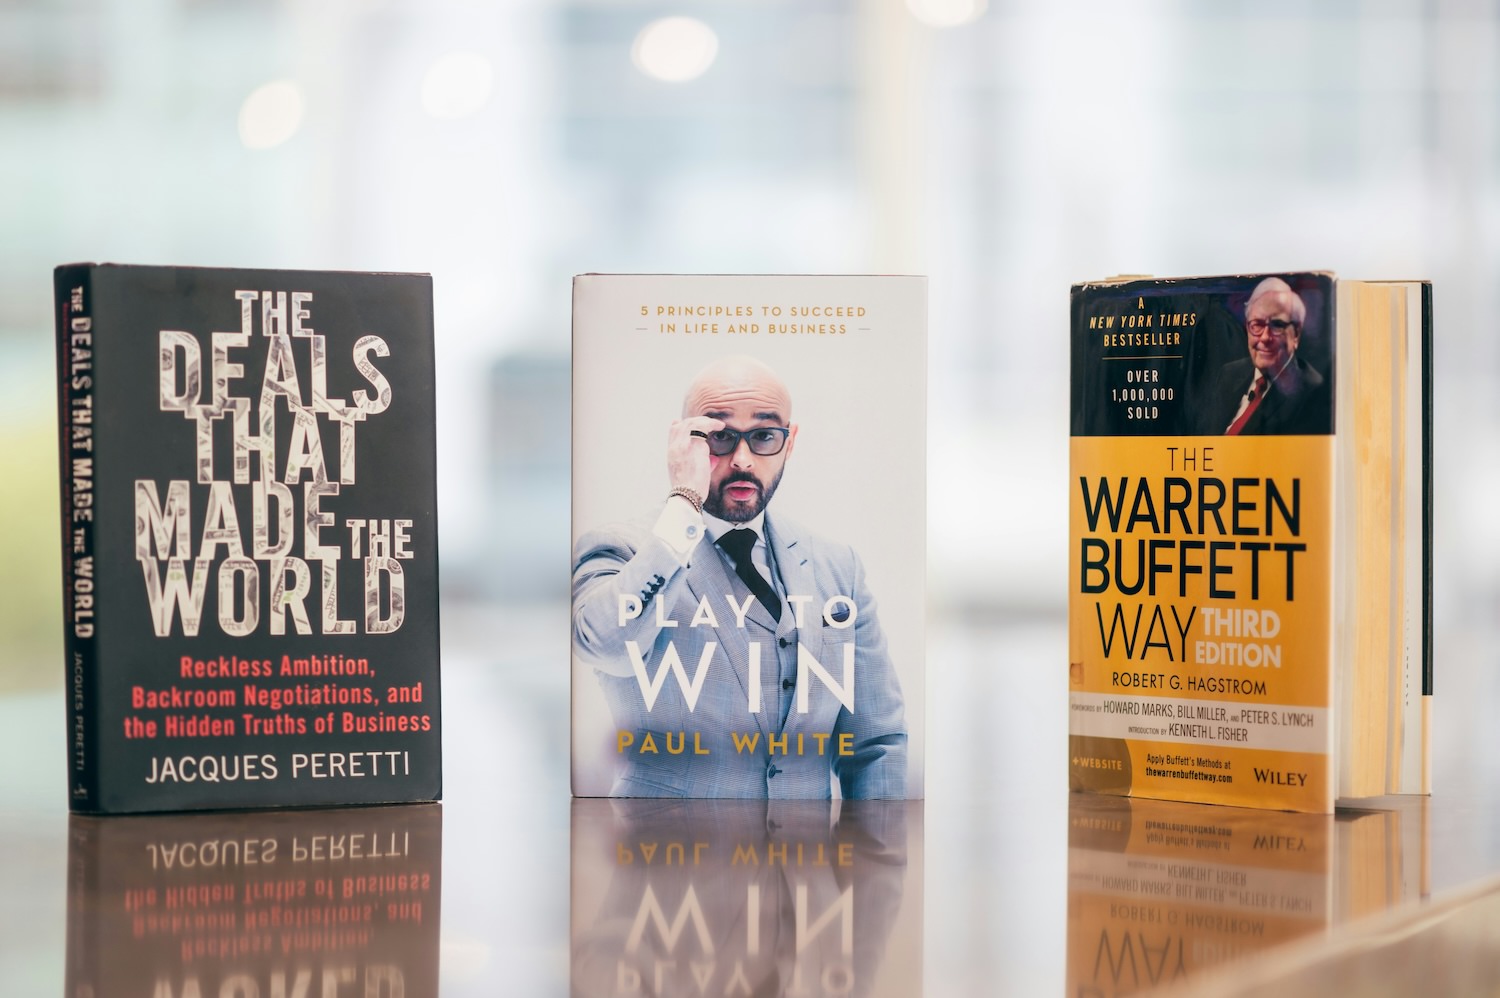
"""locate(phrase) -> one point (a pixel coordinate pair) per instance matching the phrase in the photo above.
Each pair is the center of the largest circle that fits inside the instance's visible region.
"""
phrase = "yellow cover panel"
(1199, 619)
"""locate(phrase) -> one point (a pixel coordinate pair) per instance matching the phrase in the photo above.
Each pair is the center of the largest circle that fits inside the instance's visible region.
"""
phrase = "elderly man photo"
(740, 655)
(1272, 391)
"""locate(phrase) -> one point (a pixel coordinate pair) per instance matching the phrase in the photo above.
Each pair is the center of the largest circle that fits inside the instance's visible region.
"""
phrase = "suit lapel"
(1269, 417)
(794, 564)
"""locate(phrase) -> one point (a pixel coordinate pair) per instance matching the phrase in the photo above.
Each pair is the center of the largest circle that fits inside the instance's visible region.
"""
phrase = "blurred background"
(1005, 149)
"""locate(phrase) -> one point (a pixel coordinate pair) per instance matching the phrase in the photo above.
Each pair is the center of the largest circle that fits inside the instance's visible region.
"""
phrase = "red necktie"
(1257, 395)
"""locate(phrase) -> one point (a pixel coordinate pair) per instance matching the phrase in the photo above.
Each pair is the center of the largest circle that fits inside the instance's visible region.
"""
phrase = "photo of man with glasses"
(1273, 390)
(740, 654)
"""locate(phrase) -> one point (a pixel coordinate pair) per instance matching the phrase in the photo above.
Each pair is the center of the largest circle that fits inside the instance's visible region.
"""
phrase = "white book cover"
(749, 536)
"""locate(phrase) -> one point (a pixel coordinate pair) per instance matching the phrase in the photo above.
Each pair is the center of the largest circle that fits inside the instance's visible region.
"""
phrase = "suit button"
(783, 642)
(771, 772)
(787, 684)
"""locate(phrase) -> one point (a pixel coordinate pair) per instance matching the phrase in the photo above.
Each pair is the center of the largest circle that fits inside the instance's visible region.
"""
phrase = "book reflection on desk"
(746, 897)
(1158, 891)
(328, 902)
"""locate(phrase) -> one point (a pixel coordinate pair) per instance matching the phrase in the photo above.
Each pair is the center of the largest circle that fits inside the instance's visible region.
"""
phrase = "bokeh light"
(675, 49)
(270, 115)
(946, 13)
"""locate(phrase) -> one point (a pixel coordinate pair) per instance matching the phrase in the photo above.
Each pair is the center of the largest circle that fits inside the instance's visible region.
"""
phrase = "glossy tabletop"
(1001, 882)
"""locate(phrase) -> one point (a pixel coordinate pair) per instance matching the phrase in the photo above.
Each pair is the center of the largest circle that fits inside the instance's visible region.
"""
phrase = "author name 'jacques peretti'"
(254, 766)
(839, 612)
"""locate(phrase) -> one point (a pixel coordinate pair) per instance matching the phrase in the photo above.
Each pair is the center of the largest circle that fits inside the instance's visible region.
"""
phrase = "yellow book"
(1250, 566)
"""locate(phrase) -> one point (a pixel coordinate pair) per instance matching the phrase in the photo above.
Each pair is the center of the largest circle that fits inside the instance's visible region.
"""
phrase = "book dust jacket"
(749, 543)
(1201, 536)
(250, 537)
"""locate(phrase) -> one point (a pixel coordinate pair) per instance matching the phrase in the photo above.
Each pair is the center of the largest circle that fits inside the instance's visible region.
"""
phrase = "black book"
(249, 537)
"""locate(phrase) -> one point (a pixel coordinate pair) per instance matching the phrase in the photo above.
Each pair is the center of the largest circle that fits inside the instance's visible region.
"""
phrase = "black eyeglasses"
(1277, 327)
(763, 440)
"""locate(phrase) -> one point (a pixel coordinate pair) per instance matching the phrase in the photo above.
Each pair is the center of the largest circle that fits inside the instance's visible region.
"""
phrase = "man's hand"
(688, 460)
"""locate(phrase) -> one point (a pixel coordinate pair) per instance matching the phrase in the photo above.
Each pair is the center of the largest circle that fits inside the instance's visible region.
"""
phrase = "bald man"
(741, 655)
(1272, 391)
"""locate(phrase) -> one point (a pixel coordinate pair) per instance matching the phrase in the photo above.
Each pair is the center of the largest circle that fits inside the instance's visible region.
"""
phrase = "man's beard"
(735, 512)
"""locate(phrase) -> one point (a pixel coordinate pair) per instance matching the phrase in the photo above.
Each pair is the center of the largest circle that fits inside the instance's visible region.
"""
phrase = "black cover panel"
(242, 716)
(1148, 354)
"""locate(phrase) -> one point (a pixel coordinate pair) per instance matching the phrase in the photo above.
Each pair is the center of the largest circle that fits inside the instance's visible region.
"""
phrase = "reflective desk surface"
(1001, 882)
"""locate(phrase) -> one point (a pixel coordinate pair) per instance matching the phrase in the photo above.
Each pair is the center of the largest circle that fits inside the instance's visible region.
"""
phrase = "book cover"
(748, 536)
(1201, 562)
(746, 897)
(249, 537)
(314, 902)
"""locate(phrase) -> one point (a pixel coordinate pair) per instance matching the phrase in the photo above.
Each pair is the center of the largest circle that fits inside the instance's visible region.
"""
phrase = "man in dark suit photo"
(1273, 390)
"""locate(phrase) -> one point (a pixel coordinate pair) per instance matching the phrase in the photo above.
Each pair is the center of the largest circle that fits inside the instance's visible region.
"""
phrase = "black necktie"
(737, 544)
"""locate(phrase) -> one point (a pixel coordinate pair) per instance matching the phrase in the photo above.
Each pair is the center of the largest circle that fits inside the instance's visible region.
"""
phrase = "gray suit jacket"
(718, 747)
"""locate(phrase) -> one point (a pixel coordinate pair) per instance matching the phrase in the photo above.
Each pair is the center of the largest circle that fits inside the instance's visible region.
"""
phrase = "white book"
(783, 663)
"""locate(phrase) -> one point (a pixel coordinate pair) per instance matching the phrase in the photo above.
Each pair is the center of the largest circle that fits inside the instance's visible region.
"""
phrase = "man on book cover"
(740, 654)
(1273, 390)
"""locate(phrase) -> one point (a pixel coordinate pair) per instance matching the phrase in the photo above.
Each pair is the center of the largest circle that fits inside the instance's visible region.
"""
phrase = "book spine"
(75, 421)
(1427, 463)
(1427, 472)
